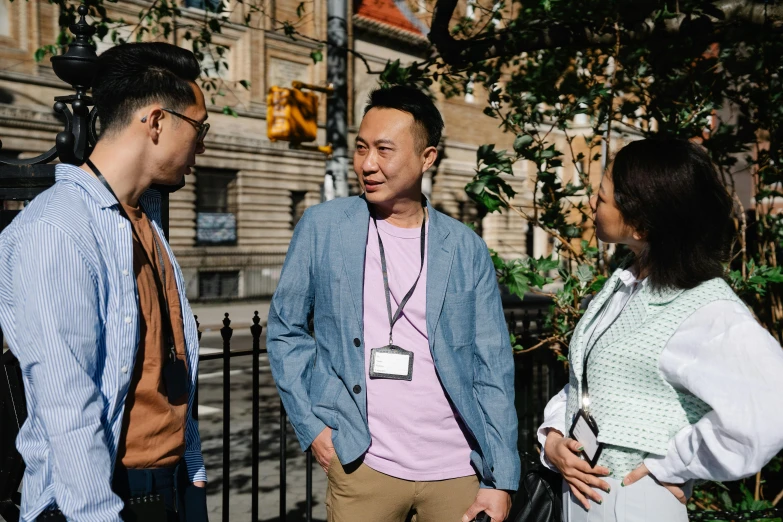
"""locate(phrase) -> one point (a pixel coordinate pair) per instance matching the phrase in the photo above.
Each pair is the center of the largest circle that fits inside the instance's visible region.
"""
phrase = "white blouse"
(723, 356)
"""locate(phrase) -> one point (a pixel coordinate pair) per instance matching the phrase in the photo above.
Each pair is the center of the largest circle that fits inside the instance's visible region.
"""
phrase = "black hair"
(669, 191)
(411, 100)
(130, 76)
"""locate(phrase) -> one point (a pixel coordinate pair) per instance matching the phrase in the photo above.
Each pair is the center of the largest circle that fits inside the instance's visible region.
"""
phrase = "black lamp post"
(24, 179)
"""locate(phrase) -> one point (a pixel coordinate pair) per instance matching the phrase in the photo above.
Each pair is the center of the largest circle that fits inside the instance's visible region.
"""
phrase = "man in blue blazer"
(404, 388)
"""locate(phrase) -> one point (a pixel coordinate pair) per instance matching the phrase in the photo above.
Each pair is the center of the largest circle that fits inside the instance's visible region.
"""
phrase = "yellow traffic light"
(292, 115)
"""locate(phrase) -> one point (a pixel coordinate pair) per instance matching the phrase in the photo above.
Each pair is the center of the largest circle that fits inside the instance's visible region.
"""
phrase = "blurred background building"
(231, 224)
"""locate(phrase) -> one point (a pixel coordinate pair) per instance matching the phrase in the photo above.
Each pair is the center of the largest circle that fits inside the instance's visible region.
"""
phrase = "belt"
(133, 482)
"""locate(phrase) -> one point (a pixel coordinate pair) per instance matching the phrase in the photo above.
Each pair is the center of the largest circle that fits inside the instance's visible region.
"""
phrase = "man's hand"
(642, 471)
(323, 449)
(563, 454)
(494, 502)
(200, 484)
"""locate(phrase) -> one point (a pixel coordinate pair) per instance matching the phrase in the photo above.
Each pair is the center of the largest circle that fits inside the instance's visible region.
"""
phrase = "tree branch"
(531, 35)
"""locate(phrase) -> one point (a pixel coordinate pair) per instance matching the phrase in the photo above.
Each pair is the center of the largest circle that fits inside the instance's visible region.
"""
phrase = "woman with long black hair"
(672, 379)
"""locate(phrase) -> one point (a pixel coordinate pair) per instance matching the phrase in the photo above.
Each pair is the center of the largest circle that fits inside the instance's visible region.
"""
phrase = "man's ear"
(152, 121)
(429, 155)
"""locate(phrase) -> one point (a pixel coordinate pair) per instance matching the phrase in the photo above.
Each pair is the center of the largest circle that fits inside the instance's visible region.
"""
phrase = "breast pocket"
(459, 318)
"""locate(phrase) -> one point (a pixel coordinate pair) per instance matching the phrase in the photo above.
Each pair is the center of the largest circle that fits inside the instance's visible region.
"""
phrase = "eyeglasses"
(201, 128)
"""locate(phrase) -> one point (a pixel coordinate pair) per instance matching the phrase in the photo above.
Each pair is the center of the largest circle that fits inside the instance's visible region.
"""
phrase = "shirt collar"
(85, 180)
(628, 278)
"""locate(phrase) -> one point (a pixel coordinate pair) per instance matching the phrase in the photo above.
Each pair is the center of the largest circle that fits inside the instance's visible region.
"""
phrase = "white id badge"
(391, 362)
(584, 431)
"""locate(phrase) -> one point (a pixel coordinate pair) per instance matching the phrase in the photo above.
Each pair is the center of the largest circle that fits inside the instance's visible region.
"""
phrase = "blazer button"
(357, 389)
(356, 342)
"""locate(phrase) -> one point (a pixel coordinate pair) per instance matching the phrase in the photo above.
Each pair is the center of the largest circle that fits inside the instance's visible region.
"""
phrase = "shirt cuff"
(674, 466)
(664, 470)
(541, 434)
(307, 431)
(195, 465)
(505, 486)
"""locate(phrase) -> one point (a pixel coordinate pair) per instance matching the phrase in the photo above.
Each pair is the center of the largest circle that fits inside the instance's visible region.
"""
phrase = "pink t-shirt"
(414, 429)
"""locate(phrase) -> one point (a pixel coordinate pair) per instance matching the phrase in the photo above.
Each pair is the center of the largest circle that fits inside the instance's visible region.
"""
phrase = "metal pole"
(255, 330)
(309, 486)
(226, 332)
(337, 104)
(282, 463)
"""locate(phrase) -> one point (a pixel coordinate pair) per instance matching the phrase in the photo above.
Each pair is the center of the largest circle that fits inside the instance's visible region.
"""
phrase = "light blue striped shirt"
(69, 309)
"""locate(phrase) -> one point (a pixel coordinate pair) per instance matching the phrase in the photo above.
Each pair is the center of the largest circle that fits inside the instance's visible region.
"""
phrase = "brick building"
(231, 224)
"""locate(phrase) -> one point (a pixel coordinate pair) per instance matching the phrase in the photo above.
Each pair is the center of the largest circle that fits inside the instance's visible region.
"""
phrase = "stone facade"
(264, 185)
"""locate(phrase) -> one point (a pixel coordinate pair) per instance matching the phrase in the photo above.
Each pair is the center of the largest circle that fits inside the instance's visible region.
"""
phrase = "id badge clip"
(391, 362)
(585, 431)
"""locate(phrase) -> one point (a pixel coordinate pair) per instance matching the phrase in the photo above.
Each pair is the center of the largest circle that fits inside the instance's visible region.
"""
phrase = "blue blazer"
(321, 377)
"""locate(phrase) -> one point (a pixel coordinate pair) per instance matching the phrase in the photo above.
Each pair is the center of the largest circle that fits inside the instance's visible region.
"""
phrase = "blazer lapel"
(353, 239)
(440, 255)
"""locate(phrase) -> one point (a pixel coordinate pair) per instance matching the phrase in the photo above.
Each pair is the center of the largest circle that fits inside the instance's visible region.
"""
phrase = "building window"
(207, 5)
(216, 222)
(218, 285)
(297, 206)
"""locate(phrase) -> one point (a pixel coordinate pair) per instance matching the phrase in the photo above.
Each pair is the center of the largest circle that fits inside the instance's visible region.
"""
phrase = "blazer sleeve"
(493, 379)
(290, 345)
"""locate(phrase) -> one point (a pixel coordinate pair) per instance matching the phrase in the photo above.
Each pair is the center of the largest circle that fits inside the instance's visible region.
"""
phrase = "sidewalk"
(210, 315)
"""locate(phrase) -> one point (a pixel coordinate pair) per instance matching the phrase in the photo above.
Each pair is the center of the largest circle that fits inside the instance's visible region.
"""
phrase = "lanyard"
(591, 345)
(168, 329)
(393, 319)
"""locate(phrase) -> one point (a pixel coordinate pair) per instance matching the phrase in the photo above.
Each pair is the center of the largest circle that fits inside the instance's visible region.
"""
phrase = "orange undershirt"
(153, 431)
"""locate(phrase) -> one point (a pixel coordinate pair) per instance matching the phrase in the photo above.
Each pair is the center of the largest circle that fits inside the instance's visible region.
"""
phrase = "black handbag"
(539, 497)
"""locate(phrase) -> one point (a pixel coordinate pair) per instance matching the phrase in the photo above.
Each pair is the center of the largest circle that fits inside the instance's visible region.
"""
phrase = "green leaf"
(584, 273)
(230, 112)
(522, 142)
(317, 56)
(245, 84)
(516, 281)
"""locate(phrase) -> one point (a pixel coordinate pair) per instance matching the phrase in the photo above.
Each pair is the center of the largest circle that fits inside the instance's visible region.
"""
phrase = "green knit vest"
(636, 410)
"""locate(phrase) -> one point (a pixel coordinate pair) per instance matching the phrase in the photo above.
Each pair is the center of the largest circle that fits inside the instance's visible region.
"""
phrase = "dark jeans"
(184, 502)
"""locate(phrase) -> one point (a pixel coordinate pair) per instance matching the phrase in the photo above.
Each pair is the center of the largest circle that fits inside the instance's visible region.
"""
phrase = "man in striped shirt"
(92, 303)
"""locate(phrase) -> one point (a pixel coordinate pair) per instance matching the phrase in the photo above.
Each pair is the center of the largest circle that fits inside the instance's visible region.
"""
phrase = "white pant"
(643, 501)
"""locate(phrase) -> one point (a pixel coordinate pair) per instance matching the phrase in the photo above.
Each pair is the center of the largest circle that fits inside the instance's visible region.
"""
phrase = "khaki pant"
(358, 493)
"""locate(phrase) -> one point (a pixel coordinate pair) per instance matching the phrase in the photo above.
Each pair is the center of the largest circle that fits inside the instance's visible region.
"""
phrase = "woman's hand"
(563, 453)
(642, 471)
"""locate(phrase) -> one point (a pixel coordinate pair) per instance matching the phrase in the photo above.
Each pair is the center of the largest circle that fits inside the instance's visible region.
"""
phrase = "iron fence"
(255, 352)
